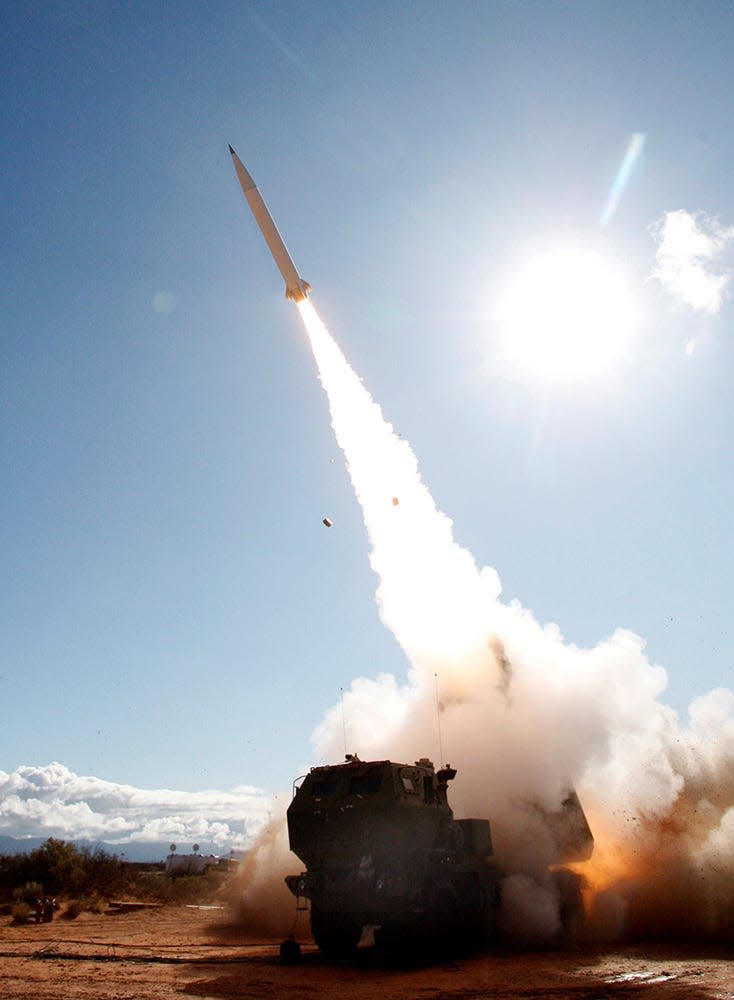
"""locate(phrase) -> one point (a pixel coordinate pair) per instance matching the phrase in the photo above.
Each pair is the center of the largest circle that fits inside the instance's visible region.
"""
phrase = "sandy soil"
(185, 952)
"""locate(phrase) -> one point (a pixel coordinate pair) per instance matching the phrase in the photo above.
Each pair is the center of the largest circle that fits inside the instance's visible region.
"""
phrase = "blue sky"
(174, 613)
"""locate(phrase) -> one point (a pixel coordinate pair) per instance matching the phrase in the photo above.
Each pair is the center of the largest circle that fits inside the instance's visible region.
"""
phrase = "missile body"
(295, 287)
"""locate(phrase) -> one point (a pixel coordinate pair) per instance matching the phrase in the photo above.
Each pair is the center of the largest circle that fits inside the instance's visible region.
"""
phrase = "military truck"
(381, 847)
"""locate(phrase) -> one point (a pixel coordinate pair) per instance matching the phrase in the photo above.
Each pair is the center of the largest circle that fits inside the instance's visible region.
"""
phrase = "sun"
(566, 315)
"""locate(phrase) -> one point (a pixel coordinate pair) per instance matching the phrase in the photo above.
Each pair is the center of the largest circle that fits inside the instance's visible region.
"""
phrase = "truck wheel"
(401, 940)
(571, 903)
(447, 921)
(336, 936)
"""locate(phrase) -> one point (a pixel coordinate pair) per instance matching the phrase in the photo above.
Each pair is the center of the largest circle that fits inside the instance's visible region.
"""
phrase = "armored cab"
(381, 847)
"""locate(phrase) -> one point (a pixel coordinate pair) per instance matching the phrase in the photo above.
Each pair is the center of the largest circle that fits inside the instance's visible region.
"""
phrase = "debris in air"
(328, 522)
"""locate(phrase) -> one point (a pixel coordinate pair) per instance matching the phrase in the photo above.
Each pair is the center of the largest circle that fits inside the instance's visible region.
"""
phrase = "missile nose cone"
(245, 180)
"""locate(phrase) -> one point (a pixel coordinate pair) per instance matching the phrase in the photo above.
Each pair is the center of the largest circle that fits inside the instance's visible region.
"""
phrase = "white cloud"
(691, 258)
(53, 801)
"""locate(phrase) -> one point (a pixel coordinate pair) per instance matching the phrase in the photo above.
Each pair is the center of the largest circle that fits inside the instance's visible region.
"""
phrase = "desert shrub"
(210, 887)
(21, 913)
(60, 868)
(73, 908)
(60, 865)
(104, 872)
(28, 893)
(187, 889)
(13, 873)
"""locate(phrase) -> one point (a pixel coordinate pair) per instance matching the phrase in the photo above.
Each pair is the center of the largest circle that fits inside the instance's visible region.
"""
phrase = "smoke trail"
(525, 716)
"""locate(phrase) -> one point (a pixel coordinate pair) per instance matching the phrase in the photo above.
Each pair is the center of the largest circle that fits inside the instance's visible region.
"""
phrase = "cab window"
(325, 787)
(365, 784)
(409, 783)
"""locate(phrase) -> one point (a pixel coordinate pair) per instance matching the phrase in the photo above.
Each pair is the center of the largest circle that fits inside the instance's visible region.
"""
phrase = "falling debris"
(328, 522)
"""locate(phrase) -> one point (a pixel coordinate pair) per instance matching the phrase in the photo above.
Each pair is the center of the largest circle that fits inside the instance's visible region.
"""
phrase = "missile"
(295, 287)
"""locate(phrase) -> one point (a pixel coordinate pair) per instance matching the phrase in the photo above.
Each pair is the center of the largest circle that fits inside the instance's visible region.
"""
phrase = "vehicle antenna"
(438, 722)
(344, 721)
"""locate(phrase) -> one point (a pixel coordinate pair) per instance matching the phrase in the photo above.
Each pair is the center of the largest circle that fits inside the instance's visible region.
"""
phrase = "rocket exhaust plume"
(525, 716)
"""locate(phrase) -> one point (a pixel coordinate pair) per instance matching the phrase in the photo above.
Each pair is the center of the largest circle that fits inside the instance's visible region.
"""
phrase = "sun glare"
(566, 315)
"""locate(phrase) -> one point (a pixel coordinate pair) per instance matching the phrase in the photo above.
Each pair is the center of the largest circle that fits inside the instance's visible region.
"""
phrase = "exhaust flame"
(527, 716)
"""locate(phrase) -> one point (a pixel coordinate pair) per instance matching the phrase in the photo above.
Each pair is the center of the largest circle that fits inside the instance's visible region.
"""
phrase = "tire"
(448, 928)
(336, 936)
(571, 904)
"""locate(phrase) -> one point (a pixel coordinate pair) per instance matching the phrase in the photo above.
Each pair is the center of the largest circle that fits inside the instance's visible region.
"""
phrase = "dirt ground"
(191, 952)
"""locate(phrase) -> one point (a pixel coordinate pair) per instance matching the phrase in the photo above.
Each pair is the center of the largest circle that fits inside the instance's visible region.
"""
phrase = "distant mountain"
(9, 845)
(142, 851)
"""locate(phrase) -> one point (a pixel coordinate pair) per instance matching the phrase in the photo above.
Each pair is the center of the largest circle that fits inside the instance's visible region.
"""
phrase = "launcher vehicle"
(382, 848)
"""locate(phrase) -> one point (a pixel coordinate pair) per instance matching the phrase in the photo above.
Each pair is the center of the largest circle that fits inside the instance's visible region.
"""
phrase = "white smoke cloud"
(510, 689)
(523, 714)
(691, 258)
(54, 801)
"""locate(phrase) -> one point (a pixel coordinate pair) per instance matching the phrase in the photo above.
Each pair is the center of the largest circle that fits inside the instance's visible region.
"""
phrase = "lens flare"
(626, 168)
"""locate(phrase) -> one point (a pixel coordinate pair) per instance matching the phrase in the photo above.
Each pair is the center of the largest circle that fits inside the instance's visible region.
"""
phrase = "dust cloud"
(260, 900)
(525, 717)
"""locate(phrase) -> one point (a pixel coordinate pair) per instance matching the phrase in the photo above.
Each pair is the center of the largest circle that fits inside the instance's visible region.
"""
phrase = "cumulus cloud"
(692, 262)
(53, 801)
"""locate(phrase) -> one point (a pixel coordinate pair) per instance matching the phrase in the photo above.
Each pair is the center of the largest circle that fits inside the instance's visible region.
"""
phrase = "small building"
(190, 864)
